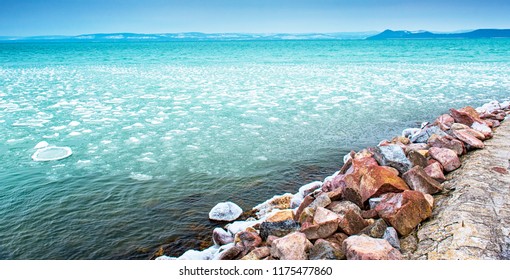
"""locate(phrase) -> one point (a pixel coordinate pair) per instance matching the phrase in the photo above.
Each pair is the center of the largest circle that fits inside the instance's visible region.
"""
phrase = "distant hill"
(190, 36)
(475, 34)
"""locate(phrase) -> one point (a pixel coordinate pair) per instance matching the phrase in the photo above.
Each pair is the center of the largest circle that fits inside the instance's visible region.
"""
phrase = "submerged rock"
(52, 153)
(225, 211)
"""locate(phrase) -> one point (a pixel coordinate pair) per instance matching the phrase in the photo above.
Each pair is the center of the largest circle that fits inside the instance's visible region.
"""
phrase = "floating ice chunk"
(59, 127)
(148, 160)
(52, 153)
(106, 142)
(42, 144)
(140, 176)
(133, 140)
(51, 136)
(74, 123)
(225, 211)
(74, 133)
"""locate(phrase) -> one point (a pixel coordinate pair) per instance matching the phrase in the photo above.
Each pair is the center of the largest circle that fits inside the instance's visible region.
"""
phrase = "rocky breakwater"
(369, 209)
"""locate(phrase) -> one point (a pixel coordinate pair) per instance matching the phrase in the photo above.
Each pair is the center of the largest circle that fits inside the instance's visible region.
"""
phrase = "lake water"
(161, 132)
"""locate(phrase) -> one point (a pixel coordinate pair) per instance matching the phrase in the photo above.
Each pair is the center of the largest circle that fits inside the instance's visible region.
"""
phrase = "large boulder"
(278, 228)
(404, 211)
(367, 248)
(325, 250)
(466, 137)
(225, 211)
(294, 246)
(393, 156)
(324, 224)
(418, 180)
(466, 115)
(447, 142)
(435, 171)
(379, 180)
(277, 202)
(448, 158)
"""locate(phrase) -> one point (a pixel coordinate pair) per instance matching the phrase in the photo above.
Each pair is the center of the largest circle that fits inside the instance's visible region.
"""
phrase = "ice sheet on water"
(52, 153)
(140, 176)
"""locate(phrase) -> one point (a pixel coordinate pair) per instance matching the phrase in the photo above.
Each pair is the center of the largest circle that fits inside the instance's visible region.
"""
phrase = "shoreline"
(331, 219)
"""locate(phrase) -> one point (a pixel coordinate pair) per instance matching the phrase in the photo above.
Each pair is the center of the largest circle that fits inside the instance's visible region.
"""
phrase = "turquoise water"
(161, 132)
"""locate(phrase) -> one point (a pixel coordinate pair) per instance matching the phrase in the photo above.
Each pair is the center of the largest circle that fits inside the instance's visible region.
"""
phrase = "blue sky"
(73, 17)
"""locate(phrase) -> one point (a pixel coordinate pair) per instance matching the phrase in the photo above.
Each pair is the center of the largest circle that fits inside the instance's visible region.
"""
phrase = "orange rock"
(380, 180)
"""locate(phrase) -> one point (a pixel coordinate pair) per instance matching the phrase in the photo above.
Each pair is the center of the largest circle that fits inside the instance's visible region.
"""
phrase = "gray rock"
(225, 211)
(390, 235)
(324, 250)
(278, 228)
(393, 156)
(424, 134)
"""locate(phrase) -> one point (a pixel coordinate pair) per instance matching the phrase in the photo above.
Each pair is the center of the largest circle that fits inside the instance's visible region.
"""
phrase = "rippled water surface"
(161, 132)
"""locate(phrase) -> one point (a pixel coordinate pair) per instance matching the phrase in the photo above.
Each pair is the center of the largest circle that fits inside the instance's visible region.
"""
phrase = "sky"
(75, 17)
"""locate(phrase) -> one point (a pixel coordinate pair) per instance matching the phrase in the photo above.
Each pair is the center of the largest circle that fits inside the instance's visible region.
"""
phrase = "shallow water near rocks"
(162, 132)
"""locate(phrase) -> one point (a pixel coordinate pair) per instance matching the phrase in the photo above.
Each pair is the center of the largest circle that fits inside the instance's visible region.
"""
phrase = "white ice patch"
(75, 133)
(74, 123)
(52, 153)
(42, 144)
(140, 176)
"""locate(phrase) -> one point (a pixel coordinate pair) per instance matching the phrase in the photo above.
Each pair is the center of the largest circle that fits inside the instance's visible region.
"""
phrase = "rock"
(466, 115)
(416, 147)
(337, 238)
(225, 211)
(325, 223)
(351, 222)
(207, 254)
(341, 207)
(221, 237)
(310, 188)
(294, 246)
(482, 128)
(393, 156)
(307, 216)
(278, 228)
(367, 248)
(434, 170)
(410, 132)
(277, 202)
(336, 194)
(429, 199)
(248, 239)
(447, 142)
(408, 244)
(231, 253)
(404, 211)
(335, 183)
(257, 254)
(425, 134)
(322, 200)
(296, 200)
(306, 202)
(369, 214)
(416, 158)
(448, 158)
(390, 235)
(280, 215)
(374, 201)
(325, 250)
(418, 180)
(464, 136)
(444, 121)
(458, 126)
(375, 230)
(380, 180)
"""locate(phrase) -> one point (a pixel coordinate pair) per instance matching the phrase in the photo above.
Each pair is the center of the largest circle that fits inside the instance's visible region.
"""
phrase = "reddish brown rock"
(248, 239)
(478, 135)
(294, 246)
(351, 222)
(336, 183)
(444, 121)
(325, 250)
(416, 147)
(305, 203)
(257, 254)
(324, 224)
(322, 200)
(337, 238)
(464, 136)
(231, 253)
(448, 158)
(466, 115)
(367, 248)
(375, 230)
(447, 142)
(380, 180)
(435, 171)
(418, 180)
(369, 214)
(404, 211)
(352, 190)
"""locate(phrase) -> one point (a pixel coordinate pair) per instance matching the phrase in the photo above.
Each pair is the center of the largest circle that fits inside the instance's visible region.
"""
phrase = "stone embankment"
(408, 198)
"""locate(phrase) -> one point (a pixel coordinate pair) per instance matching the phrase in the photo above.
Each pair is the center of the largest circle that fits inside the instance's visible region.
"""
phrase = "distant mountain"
(190, 36)
(475, 34)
